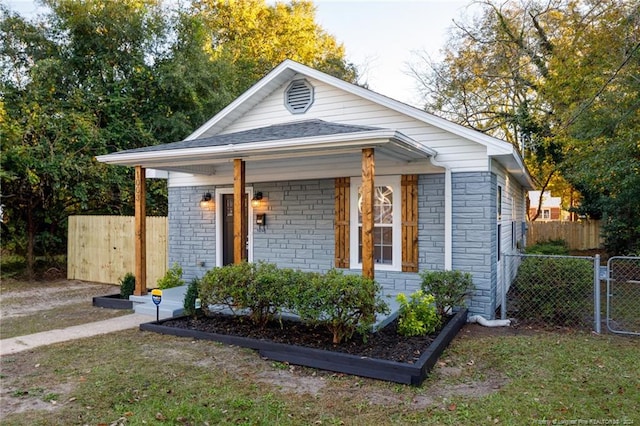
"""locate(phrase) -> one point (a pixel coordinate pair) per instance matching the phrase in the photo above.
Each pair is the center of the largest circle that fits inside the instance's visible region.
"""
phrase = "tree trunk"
(31, 239)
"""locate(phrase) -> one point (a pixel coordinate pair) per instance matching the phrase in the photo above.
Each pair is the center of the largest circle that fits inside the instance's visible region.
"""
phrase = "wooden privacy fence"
(578, 235)
(102, 248)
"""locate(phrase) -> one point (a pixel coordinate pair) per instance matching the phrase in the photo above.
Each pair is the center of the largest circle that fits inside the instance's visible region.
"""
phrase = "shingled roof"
(294, 130)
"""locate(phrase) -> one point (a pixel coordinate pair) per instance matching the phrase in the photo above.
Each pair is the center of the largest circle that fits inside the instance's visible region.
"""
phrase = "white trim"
(388, 139)
(394, 182)
(219, 214)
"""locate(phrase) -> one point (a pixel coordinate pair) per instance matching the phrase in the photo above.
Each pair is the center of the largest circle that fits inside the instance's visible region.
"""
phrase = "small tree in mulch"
(449, 288)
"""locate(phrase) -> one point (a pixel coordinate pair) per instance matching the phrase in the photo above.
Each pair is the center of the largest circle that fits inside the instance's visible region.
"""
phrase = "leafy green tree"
(558, 79)
(92, 77)
(68, 97)
(255, 37)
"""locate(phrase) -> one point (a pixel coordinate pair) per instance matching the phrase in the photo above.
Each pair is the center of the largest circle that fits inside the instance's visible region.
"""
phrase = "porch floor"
(172, 301)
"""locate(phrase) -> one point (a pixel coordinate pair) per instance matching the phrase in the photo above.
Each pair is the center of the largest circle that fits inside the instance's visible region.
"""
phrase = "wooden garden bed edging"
(399, 372)
(112, 301)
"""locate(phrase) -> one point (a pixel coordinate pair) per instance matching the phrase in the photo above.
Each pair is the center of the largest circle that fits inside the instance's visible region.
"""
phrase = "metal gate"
(623, 295)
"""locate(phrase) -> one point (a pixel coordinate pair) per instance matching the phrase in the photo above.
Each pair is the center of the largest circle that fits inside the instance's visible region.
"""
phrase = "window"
(499, 202)
(386, 223)
(546, 214)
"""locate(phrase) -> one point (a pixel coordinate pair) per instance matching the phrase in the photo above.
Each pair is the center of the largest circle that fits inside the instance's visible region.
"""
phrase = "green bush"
(449, 288)
(266, 293)
(417, 315)
(225, 286)
(127, 285)
(190, 298)
(172, 278)
(341, 303)
(555, 291)
(260, 288)
(551, 247)
(12, 265)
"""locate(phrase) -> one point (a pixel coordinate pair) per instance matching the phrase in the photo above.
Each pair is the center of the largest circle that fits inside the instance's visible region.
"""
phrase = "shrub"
(449, 288)
(190, 298)
(261, 288)
(172, 278)
(127, 285)
(225, 286)
(266, 292)
(550, 247)
(342, 303)
(417, 316)
(555, 291)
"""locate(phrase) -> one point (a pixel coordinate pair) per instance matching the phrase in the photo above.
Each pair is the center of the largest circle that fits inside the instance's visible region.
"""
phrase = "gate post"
(596, 294)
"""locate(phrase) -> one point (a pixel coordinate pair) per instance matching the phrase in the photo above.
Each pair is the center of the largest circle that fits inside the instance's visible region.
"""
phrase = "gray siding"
(192, 231)
(474, 236)
(299, 231)
(431, 222)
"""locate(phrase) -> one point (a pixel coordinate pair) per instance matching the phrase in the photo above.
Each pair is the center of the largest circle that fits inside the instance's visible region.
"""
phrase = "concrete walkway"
(30, 341)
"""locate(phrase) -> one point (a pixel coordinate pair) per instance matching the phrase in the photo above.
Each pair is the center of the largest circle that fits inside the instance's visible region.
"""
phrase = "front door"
(227, 228)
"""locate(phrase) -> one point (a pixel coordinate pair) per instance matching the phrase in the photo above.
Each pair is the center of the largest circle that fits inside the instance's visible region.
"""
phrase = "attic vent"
(298, 97)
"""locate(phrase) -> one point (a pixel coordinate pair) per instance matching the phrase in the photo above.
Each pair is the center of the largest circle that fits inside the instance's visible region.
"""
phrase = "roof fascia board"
(340, 141)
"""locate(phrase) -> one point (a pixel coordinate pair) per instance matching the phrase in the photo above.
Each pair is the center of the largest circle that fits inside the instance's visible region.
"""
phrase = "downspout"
(448, 214)
(488, 323)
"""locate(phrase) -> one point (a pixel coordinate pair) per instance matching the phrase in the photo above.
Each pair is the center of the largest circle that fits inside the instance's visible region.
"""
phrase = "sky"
(380, 37)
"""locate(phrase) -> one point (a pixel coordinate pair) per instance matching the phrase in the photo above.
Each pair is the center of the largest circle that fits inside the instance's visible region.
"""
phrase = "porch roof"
(281, 141)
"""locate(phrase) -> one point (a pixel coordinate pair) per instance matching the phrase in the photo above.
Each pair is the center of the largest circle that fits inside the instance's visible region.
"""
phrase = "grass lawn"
(486, 376)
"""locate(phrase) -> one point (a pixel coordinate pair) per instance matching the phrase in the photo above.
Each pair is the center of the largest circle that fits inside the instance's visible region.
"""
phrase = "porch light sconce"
(205, 202)
(256, 200)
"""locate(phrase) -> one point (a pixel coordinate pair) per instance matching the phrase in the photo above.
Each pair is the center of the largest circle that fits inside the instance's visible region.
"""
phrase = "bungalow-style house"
(311, 172)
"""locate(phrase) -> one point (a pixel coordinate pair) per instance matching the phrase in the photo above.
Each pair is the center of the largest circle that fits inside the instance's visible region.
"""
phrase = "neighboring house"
(551, 208)
(443, 196)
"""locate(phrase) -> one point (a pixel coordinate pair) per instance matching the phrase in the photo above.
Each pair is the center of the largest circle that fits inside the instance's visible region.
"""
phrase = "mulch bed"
(383, 344)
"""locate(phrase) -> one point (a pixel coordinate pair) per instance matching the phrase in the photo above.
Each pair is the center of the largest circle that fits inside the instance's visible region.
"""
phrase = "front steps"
(171, 305)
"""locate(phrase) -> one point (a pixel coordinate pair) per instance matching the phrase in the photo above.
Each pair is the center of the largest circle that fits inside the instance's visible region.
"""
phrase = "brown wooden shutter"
(409, 185)
(341, 223)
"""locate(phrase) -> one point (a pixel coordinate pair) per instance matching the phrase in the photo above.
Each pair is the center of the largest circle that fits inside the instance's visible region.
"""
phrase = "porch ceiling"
(290, 141)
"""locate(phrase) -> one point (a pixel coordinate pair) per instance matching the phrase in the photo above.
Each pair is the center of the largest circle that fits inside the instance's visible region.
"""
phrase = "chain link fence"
(554, 291)
(623, 295)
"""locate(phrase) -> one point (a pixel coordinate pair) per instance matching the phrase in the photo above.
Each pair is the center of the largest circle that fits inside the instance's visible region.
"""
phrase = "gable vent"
(298, 97)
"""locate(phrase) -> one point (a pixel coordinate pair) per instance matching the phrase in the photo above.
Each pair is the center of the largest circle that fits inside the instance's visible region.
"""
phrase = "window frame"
(394, 182)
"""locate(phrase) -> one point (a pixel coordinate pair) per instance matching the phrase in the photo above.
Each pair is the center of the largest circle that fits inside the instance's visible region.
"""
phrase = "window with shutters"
(387, 223)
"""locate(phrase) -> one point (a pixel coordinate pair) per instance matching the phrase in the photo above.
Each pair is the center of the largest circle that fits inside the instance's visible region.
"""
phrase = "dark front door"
(227, 228)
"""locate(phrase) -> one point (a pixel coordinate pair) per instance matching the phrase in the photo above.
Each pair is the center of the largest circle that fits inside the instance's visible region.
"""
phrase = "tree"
(74, 87)
(541, 75)
(94, 77)
(255, 37)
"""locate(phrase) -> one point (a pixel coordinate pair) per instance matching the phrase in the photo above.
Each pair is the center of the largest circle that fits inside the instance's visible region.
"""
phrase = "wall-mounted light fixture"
(206, 200)
(256, 200)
